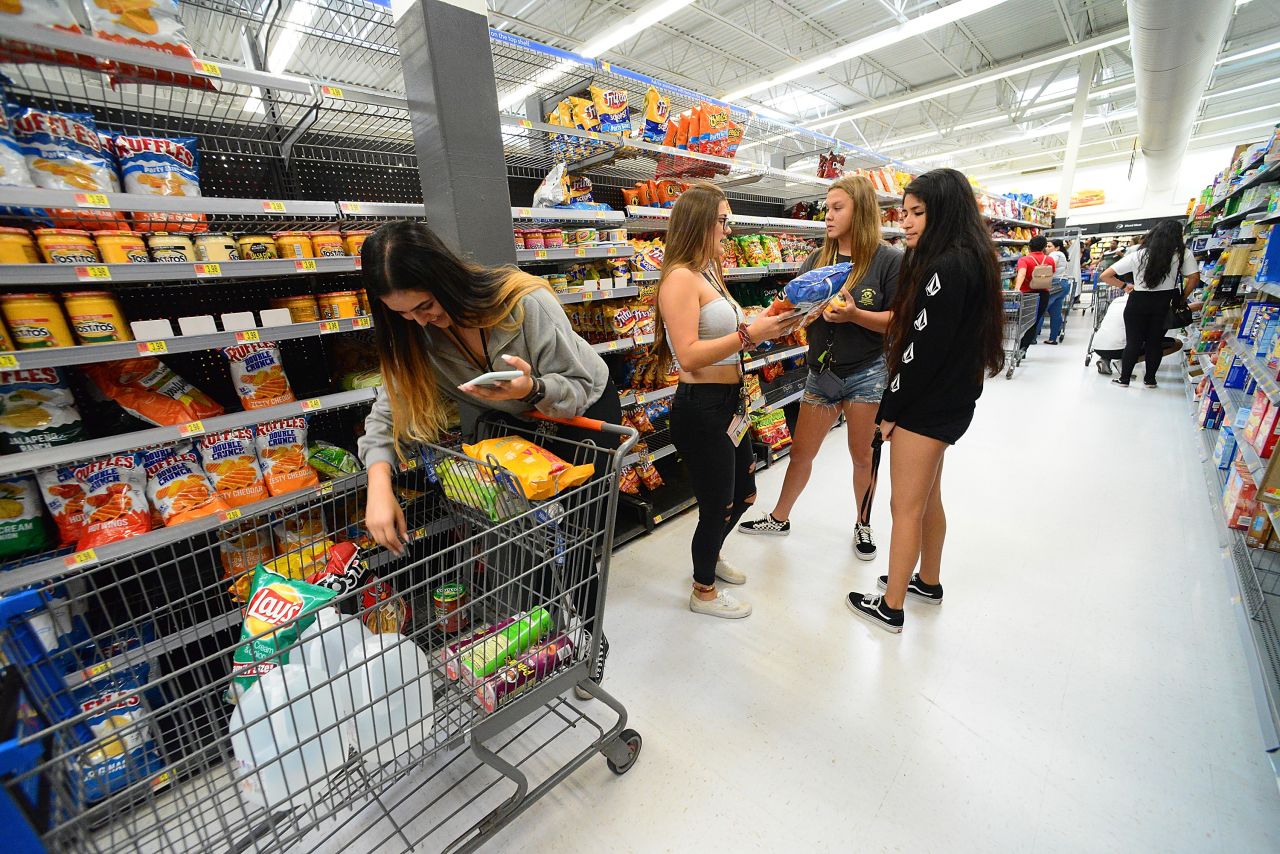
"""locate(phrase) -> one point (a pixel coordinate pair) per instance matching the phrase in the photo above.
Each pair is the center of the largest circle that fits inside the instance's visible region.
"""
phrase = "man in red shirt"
(1022, 282)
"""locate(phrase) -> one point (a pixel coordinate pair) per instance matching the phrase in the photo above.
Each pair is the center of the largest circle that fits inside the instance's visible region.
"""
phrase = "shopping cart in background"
(404, 716)
(1019, 316)
(1103, 296)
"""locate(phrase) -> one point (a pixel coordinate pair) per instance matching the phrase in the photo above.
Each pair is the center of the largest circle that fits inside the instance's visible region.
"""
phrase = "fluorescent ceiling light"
(1236, 91)
(544, 78)
(1238, 113)
(301, 14)
(1034, 133)
(631, 25)
(917, 26)
(1257, 51)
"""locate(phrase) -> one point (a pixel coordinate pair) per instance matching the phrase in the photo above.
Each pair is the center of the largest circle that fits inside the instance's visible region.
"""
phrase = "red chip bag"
(231, 462)
(64, 498)
(115, 502)
(180, 491)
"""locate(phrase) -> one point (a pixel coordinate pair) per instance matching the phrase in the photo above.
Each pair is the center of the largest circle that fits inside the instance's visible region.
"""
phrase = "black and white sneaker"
(875, 611)
(864, 542)
(1104, 367)
(766, 526)
(597, 672)
(931, 593)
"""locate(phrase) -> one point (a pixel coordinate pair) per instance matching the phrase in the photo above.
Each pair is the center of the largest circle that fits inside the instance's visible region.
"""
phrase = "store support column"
(453, 108)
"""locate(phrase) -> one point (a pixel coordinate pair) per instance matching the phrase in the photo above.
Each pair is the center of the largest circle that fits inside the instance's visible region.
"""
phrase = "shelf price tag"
(96, 273)
(640, 398)
(92, 200)
(588, 296)
(146, 348)
(580, 251)
(306, 265)
(81, 558)
(525, 123)
(312, 404)
(325, 488)
(539, 253)
(210, 68)
(418, 533)
(524, 213)
(248, 335)
(332, 92)
(231, 515)
(349, 207)
(191, 428)
(362, 322)
(273, 207)
(359, 262)
(10, 362)
(409, 465)
(205, 271)
(327, 326)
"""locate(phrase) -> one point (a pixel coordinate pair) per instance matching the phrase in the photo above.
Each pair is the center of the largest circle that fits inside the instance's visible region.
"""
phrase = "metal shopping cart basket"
(431, 734)
(1103, 296)
(1019, 316)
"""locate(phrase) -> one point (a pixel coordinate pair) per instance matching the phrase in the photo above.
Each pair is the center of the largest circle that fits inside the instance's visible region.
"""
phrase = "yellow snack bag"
(541, 473)
(611, 106)
(585, 116)
(657, 110)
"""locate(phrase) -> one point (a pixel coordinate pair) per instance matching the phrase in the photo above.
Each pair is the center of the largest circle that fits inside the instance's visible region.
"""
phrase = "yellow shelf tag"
(191, 428)
(10, 362)
(588, 296)
(640, 398)
(273, 207)
(148, 347)
(306, 265)
(96, 273)
(332, 92)
(92, 200)
(362, 322)
(359, 262)
(328, 326)
(210, 68)
(525, 123)
(204, 271)
(524, 212)
(580, 251)
(248, 335)
(349, 207)
(539, 253)
(81, 558)
(232, 515)
(311, 405)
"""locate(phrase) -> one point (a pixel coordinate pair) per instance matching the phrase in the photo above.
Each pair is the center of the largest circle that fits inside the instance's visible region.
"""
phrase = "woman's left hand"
(506, 390)
(841, 311)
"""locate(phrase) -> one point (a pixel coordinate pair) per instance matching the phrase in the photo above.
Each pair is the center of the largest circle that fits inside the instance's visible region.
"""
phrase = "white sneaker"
(728, 573)
(723, 606)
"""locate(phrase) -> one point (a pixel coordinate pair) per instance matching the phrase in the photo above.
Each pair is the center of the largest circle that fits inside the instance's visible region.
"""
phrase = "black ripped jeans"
(723, 475)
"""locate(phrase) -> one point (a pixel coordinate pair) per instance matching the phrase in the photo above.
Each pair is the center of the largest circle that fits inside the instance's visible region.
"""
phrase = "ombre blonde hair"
(864, 228)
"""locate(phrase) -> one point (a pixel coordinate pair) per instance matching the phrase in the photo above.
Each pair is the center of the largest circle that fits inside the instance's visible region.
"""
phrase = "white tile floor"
(1082, 689)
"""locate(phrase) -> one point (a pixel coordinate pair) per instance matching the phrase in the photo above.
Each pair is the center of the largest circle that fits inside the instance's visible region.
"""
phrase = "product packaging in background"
(22, 527)
(123, 748)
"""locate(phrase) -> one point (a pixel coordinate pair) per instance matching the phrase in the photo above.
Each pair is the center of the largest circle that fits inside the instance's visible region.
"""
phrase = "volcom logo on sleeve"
(897, 380)
(933, 287)
(909, 354)
(922, 320)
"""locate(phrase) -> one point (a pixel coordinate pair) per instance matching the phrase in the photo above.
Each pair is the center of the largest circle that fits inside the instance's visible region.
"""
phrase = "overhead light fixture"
(1237, 113)
(632, 25)
(544, 79)
(301, 14)
(917, 26)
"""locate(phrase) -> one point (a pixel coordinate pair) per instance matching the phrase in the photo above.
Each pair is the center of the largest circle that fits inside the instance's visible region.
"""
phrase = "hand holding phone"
(494, 377)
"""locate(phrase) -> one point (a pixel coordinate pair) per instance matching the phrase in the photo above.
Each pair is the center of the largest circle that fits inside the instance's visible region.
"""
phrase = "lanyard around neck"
(487, 364)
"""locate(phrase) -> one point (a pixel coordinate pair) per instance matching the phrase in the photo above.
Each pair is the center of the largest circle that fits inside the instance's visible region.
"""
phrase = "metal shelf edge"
(41, 198)
(67, 274)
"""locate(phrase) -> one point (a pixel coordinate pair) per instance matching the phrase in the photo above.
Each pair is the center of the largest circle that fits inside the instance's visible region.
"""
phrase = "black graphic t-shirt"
(854, 347)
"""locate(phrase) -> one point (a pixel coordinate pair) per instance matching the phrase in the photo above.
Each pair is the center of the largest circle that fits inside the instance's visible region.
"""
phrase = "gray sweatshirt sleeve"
(573, 373)
(377, 444)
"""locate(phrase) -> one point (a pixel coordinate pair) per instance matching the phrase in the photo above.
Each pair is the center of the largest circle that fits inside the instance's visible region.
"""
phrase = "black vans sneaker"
(766, 525)
(864, 542)
(875, 611)
(597, 672)
(931, 593)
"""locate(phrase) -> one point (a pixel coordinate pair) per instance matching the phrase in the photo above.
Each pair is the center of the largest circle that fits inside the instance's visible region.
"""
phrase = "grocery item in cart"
(540, 472)
(279, 609)
(121, 747)
(180, 491)
(64, 499)
(382, 608)
(282, 450)
(451, 655)
(146, 388)
(231, 462)
(115, 500)
(482, 659)
(341, 570)
(161, 166)
(64, 152)
(391, 693)
(241, 550)
(330, 461)
(258, 374)
(22, 529)
(522, 674)
(37, 411)
(474, 487)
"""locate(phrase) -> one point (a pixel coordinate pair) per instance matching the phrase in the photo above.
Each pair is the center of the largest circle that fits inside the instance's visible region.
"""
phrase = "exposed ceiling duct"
(1174, 44)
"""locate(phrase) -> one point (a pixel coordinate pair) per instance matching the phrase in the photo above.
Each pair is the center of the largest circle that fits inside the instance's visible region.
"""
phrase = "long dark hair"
(1164, 247)
(953, 226)
(409, 256)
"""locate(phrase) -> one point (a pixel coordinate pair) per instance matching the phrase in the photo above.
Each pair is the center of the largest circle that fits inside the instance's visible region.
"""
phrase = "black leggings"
(1041, 305)
(723, 476)
(1146, 317)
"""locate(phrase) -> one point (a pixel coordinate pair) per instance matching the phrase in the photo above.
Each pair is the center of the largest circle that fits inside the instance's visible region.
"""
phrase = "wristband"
(744, 338)
(534, 397)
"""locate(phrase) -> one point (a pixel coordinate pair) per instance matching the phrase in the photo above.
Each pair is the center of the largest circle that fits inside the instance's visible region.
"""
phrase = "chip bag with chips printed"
(160, 166)
(124, 747)
(241, 550)
(146, 388)
(611, 107)
(231, 462)
(278, 611)
(282, 450)
(115, 490)
(64, 499)
(64, 152)
(180, 491)
(258, 374)
(37, 411)
(22, 529)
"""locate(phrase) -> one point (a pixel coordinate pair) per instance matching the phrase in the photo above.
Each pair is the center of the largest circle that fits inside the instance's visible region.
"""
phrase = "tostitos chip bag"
(231, 462)
(258, 374)
(657, 109)
(64, 498)
(159, 166)
(179, 490)
(279, 609)
(146, 388)
(115, 502)
(540, 472)
(282, 450)
(611, 107)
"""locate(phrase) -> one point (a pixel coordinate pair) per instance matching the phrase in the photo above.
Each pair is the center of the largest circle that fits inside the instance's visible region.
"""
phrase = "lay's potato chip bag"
(280, 609)
(657, 109)
(611, 107)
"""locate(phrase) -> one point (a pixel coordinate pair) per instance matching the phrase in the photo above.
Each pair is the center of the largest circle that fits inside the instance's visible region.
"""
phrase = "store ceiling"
(1016, 123)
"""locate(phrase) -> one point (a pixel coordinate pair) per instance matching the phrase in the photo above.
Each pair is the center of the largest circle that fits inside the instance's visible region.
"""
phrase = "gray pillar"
(453, 107)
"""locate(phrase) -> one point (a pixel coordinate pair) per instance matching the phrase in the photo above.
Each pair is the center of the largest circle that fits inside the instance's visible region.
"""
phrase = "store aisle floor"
(1083, 687)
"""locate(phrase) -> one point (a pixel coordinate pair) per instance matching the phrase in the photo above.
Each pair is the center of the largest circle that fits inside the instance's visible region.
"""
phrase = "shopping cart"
(1103, 296)
(416, 738)
(1019, 316)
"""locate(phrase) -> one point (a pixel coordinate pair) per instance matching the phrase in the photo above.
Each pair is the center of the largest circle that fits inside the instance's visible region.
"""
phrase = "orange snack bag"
(145, 387)
(179, 490)
(684, 130)
(282, 450)
(115, 503)
(673, 130)
(241, 550)
(64, 498)
(230, 461)
(258, 374)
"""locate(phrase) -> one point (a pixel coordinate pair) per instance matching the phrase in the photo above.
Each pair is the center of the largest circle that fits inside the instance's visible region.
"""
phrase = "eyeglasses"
(723, 220)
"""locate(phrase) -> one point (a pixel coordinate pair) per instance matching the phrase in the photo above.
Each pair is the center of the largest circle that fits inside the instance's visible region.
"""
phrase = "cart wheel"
(1087, 359)
(634, 743)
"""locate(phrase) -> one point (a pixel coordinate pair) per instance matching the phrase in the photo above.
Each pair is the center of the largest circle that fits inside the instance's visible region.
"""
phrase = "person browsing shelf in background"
(846, 355)
(440, 322)
(1023, 280)
(945, 336)
(703, 327)
(1158, 265)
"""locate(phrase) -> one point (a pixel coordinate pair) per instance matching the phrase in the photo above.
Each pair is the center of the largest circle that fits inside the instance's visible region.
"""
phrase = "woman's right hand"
(767, 327)
(384, 518)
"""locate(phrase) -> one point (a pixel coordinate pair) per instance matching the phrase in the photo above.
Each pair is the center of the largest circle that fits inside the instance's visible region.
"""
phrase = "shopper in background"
(704, 328)
(1022, 281)
(440, 322)
(945, 336)
(1157, 265)
(846, 355)
(1060, 293)
(1108, 340)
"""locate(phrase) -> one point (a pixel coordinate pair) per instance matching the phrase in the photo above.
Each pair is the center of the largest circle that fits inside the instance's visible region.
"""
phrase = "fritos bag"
(179, 490)
(115, 502)
(540, 472)
(282, 450)
(64, 498)
(146, 388)
(258, 374)
(64, 152)
(281, 608)
(159, 166)
(611, 107)
(231, 462)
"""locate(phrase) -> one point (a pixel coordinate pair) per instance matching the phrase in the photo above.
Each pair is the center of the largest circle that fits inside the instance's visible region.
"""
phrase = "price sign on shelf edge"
(312, 404)
(332, 92)
(327, 326)
(210, 68)
(92, 200)
(205, 271)
(248, 335)
(146, 348)
(232, 515)
(81, 558)
(191, 428)
(269, 206)
(362, 322)
(94, 273)
(305, 265)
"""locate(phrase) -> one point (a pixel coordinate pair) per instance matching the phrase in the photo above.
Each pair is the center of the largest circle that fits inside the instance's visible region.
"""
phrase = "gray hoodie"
(573, 373)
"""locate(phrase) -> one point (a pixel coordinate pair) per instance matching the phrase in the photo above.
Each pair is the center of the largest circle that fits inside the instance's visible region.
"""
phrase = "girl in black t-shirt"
(944, 338)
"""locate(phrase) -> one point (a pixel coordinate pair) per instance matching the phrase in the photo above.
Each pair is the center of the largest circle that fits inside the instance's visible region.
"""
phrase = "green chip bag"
(283, 608)
(22, 528)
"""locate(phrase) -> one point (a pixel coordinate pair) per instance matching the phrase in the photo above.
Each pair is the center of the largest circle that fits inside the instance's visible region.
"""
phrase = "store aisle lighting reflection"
(301, 14)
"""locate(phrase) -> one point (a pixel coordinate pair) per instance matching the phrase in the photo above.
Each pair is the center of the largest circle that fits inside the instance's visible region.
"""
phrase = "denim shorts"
(865, 385)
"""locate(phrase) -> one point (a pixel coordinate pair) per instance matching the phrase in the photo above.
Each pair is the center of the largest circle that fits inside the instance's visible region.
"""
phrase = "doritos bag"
(282, 450)
(115, 502)
(146, 388)
(279, 609)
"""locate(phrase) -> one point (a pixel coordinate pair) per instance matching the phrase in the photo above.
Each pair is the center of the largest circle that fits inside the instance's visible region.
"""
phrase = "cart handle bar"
(584, 423)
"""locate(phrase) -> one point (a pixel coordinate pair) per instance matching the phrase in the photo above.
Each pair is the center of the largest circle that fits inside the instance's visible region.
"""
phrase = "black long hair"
(1164, 247)
(953, 226)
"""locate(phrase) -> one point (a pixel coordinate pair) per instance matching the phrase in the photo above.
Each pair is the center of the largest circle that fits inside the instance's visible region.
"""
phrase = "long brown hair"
(409, 256)
(864, 228)
(953, 226)
(691, 239)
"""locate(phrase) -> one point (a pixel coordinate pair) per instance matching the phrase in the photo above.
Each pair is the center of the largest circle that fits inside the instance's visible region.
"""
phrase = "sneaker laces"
(863, 534)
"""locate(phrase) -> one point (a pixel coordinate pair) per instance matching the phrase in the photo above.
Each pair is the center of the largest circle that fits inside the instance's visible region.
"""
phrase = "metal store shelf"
(646, 396)
(1019, 222)
(573, 253)
(38, 198)
(657, 219)
(1004, 241)
(1257, 369)
(567, 215)
(1239, 217)
(54, 357)
(786, 399)
(779, 356)
(646, 276)
(652, 456)
(382, 209)
(73, 274)
(63, 454)
(598, 295)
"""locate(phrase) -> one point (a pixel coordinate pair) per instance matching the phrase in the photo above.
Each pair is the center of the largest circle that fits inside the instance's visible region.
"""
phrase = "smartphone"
(495, 377)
